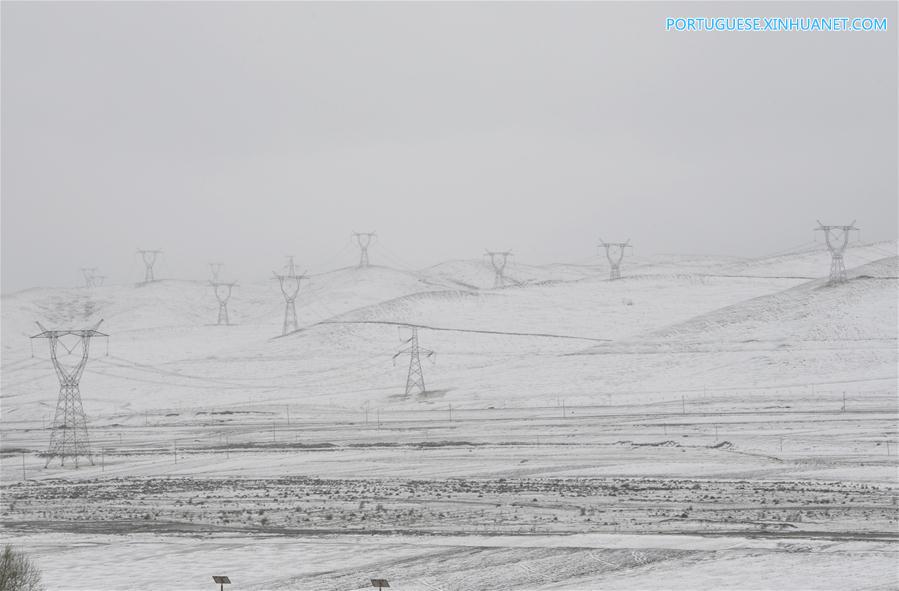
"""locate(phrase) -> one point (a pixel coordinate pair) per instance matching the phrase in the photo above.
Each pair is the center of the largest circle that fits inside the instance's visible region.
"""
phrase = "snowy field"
(702, 423)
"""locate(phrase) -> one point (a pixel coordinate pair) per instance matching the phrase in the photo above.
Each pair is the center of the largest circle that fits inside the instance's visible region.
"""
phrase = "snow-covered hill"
(561, 331)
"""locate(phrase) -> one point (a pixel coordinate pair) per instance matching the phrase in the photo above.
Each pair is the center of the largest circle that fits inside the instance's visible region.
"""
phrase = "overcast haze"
(242, 132)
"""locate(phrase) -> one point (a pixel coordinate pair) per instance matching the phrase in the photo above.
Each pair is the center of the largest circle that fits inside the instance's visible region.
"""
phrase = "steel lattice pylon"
(149, 258)
(223, 294)
(415, 380)
(290, 287)
(216, 269)
(363, 239)
(615, 261)
(91, 278)
(836, 245)
(499, 268)
(69, 437)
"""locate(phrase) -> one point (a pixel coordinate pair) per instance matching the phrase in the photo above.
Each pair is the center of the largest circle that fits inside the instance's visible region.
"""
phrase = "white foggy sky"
(241, 132)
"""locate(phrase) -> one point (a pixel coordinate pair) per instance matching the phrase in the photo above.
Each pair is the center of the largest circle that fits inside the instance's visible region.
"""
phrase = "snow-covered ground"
(469, 562)
(713, 370)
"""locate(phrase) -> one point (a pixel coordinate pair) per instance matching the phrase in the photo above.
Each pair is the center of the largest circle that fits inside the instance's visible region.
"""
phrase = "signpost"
(380, 583)
(221, 581)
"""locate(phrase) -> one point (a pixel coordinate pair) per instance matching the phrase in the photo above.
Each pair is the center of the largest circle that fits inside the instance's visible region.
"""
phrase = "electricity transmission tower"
(291, 268)
(363, 239)
(290, 287)
(836, 238)
(149, 258)
(223, 294)
(415, 379)
(216, 269)
(69, 438)
(499, 279)
(91, 278)
(614, 254)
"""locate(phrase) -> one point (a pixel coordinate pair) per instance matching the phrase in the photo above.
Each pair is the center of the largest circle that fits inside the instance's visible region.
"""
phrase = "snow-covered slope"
(649, 336)
(480, 274)
(590, 308)
(177, 306)
(862, 309)
(811, 260)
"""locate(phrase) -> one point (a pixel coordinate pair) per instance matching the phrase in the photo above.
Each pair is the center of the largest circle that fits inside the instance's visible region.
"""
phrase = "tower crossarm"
(285, 282)
(55, 334)
(149, 256)
(364, 238)
(499, 259)
(620, 246)
(225, 294)
(421, 351)
(836, 245)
